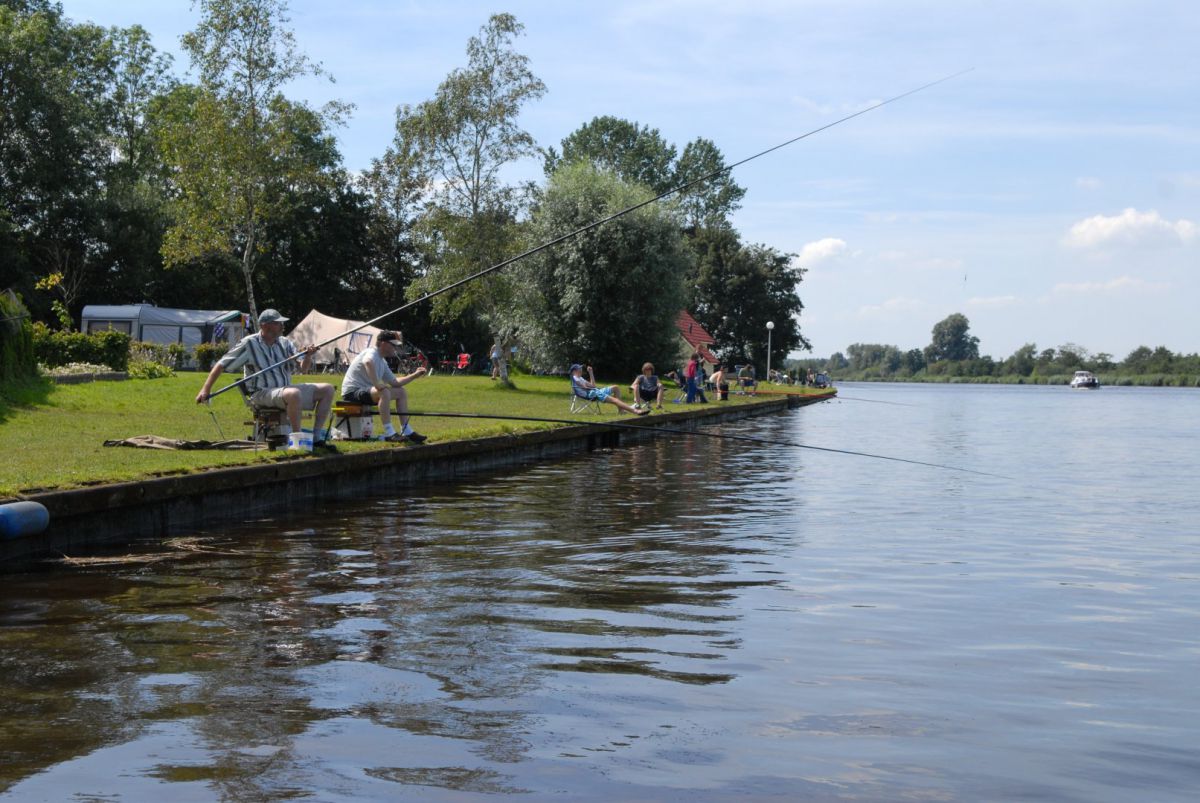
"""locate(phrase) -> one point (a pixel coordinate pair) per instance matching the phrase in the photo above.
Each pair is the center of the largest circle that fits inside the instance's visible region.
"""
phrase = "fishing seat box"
(352, 421)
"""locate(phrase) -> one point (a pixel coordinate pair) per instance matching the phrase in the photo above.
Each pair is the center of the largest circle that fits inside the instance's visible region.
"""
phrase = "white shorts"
(273, 397)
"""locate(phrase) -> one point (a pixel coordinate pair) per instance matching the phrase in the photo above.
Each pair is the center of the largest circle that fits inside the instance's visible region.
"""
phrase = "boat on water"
(1085, 380)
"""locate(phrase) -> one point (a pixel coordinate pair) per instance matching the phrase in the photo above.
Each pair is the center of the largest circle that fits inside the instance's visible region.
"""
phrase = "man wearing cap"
(274, 388)
(369, 380)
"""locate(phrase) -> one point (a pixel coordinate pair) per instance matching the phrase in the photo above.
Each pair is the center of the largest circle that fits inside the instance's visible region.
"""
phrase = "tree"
(952, 341)
(610, 296)
(914, 361)
(464, 136)
(1022, 362)
(710, 203)
(55, 85)
(229, 142)
(636, 153)
(738, 288)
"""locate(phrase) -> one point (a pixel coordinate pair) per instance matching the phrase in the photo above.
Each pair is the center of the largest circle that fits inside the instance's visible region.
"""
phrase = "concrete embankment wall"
(107, 515)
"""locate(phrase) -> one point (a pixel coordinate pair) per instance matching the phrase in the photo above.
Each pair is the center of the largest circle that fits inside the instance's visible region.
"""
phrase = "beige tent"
(318, 327)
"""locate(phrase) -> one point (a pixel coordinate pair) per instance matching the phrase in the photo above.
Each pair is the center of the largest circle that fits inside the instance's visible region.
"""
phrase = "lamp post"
(770, 326)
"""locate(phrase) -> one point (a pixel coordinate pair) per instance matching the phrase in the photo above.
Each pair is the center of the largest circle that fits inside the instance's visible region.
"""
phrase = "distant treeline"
(953, 356)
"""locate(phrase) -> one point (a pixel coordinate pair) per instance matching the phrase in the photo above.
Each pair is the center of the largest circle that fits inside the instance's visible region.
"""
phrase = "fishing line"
(597, 223)
(723, 436)
(214, 419)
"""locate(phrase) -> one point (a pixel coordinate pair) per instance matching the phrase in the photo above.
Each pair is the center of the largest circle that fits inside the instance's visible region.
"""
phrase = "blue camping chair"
(581, 402)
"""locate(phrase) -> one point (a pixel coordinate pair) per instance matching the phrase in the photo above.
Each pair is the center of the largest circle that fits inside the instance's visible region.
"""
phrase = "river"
(690, 619)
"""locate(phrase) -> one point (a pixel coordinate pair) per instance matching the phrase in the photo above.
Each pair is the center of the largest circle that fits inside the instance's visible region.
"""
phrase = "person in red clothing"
(692, 374)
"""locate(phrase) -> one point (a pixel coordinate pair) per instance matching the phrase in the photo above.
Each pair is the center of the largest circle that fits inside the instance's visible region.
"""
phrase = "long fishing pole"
(644, 427)
(595, 224)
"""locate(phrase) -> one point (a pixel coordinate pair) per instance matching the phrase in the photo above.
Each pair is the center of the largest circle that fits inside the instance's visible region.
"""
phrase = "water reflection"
(687, 619)
(431, 614)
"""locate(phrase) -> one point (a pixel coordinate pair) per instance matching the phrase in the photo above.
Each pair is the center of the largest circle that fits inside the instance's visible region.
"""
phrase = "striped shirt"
(252, 354)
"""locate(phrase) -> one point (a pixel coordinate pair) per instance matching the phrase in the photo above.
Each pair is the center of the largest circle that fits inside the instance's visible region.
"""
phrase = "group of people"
(269, 360)
(368, 380)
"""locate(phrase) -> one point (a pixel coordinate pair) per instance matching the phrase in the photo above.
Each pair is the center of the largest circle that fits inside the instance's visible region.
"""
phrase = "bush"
(209, 353)
(17, 360)
(60, 348)
(146, 369)
(152, 360)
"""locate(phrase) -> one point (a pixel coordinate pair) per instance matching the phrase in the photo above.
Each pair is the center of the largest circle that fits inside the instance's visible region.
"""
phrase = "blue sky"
(1052, 195)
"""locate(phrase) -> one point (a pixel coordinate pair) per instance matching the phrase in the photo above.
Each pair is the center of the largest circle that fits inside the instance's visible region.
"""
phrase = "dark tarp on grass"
(159, 442)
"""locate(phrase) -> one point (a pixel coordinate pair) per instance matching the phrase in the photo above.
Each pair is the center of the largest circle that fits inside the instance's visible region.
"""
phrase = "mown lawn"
(52, 436)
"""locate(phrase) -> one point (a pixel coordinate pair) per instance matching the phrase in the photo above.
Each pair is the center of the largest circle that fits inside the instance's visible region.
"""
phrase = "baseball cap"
(390, 337)
(271, 316)
(575, 367)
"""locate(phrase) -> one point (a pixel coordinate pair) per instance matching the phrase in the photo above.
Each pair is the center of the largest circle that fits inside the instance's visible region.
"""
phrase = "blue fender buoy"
(19, 519)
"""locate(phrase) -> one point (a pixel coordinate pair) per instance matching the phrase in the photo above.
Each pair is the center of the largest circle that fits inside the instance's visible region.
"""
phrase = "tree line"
(953, 355)
(122, 182)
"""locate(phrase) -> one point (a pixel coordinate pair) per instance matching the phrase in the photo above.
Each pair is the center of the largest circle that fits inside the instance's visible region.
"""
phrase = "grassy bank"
(52, 436)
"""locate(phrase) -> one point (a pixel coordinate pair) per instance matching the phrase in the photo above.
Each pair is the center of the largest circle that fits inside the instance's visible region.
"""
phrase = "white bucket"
(299, 442)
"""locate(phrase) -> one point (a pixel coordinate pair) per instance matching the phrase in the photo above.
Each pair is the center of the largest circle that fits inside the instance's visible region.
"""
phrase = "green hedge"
(209, 353)
(17, 360)
(60, 348)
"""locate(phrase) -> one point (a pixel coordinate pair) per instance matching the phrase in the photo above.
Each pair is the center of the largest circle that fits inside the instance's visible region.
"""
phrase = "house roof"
(695, 335)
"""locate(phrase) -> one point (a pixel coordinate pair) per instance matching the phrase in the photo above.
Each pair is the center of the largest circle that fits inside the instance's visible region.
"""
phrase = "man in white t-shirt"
(368, 380)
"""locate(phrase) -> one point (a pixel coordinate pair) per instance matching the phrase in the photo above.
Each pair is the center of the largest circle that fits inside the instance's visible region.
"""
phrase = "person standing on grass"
(274, 388)
(369, 380)
(693, 376)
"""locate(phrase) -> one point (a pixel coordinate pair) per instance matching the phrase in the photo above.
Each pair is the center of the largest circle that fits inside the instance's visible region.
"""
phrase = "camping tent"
(318, 327)
(152, 324)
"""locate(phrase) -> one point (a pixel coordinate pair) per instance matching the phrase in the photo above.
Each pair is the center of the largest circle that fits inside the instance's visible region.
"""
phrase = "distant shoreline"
(1143, 381)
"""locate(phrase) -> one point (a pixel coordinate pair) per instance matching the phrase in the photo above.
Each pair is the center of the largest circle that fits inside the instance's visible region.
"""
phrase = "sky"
(1052, 194)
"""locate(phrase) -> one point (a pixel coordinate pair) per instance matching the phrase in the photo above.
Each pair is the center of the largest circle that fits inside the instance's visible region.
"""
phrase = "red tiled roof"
(691, 330)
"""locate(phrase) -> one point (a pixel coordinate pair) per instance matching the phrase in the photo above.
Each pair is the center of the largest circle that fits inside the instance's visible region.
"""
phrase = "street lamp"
(770, 326)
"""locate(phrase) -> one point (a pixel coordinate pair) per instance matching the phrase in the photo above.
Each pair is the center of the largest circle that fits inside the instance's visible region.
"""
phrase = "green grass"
(52, 436)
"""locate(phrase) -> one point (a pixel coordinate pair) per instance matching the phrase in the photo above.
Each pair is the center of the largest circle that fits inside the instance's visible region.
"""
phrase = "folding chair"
(581, 402)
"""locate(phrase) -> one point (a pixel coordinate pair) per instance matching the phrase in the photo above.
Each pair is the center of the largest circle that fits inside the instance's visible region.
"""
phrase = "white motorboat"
(1085, 380)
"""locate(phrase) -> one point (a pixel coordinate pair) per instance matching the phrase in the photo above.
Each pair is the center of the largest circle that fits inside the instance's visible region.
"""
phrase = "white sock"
(407, 430)
(389, 430)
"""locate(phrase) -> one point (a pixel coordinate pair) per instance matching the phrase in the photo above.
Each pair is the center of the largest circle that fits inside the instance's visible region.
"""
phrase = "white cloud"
(1131, 228)
(1088, 183)
(1117, 285)
(819, 251)
(890, 307)
(992, 301)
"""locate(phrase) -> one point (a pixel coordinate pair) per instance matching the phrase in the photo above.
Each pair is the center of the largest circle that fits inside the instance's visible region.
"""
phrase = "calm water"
(686, 620)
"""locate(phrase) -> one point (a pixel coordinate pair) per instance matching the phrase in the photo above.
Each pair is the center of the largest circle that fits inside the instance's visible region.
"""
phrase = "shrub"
(147, 369)
(209, 353)
(151, 360)
(17, 360)
(60, 348)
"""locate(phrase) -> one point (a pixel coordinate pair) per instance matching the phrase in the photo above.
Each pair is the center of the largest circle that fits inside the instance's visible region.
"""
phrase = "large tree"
(55, 109)
(710, 203)
(230, 143)
(636, 153)
(464, 136)
(952, 340)
(738, 289)
(610, 296)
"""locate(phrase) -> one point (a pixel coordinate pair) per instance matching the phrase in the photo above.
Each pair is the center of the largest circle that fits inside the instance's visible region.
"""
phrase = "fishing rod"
(595, 224)
(643, 427)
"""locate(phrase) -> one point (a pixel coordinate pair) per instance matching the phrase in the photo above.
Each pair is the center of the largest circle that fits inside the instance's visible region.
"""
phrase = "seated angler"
(269, 349)
(647, 388)
(369, 380)
(588, 389)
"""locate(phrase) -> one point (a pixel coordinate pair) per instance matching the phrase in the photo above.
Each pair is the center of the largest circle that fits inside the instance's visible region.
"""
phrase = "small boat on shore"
(1085, 380)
